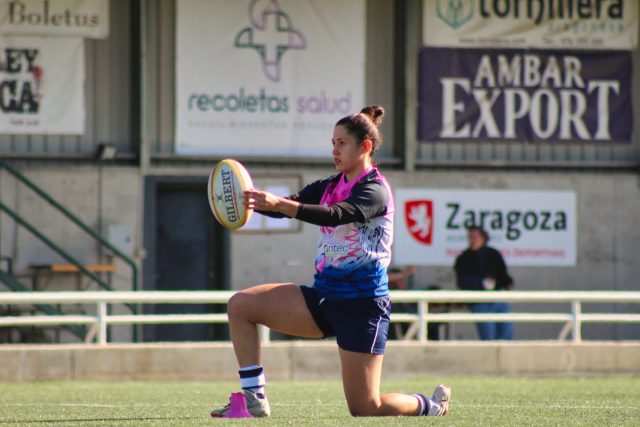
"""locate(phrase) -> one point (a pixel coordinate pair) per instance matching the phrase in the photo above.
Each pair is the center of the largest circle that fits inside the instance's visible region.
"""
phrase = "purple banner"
(524, 95)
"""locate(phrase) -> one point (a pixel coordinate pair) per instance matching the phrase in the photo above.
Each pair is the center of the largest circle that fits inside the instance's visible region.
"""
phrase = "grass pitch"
(476, 401)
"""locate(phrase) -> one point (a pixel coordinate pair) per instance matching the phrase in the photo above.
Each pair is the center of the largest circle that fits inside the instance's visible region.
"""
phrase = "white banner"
(67, 18)
(529, 228)
(541, 24)
(266, 78)
(42, 85)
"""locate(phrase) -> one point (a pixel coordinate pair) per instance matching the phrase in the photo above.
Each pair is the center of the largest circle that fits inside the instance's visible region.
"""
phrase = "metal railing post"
(576, 313)
(265, 334)
(102, 322)
(423, 310)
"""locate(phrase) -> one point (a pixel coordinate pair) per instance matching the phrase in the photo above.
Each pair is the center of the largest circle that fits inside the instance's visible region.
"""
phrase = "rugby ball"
(227, 182)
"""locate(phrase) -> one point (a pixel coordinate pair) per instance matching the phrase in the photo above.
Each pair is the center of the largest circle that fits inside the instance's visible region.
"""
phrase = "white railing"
(99, 322)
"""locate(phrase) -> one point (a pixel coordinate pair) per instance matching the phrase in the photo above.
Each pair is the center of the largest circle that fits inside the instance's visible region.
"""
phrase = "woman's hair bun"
(374, 113)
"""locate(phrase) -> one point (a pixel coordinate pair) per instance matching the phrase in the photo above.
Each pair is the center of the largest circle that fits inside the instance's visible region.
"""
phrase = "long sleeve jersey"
(354, 246)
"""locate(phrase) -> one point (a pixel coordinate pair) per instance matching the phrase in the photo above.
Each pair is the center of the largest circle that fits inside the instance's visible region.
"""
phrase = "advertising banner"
(67, 18)
(529, 228)
(525, 95)
(42, 85)
(540, 24)
(266, 78)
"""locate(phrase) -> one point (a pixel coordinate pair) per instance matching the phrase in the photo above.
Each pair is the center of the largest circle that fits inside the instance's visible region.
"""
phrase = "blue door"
(189, 254)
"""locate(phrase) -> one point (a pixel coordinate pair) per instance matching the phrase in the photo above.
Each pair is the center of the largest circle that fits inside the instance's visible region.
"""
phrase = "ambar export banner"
(530, 228)
(527, 95)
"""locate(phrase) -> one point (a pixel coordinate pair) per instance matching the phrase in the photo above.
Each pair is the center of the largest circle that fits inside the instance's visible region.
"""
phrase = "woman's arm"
(263, 201)
(366, 201)
(275, 206)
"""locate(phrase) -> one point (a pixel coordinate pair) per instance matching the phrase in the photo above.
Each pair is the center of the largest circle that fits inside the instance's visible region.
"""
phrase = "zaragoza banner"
(529, 228)
(525, 95)
(540, 24)
(42, 85)
(65, 18)
(266, 78)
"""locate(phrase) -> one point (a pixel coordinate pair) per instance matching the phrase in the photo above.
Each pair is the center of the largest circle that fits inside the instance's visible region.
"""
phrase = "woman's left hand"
(260, 200)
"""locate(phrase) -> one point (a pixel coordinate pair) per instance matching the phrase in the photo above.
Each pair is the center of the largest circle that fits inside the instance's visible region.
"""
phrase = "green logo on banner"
(455, 13)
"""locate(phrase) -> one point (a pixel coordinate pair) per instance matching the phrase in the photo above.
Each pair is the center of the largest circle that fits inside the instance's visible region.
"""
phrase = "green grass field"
(476, 401)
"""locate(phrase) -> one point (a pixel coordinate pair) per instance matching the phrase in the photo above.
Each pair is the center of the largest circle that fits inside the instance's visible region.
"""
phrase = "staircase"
(16, 286)
(90, 272)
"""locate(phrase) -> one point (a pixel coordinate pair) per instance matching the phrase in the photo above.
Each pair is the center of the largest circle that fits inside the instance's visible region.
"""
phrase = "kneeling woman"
(350, 297)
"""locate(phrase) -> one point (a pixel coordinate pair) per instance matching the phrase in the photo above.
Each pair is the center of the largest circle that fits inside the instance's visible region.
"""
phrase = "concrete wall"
(608, 205)
(608, 234)
(100, 196)
(308, 361)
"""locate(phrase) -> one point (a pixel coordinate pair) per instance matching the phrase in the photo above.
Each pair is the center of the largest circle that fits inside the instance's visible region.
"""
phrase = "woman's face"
(348, 156)
(476, 240)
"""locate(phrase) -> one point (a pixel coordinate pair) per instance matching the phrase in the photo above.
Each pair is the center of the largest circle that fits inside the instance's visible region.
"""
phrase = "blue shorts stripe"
(375, 338)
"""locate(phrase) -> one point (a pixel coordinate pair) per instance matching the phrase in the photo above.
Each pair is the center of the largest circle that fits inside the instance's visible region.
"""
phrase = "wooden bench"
(43, 274)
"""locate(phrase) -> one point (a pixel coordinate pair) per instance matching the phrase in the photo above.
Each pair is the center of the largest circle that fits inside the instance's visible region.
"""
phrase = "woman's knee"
(238, 304)
(357, 411)
(363, 409)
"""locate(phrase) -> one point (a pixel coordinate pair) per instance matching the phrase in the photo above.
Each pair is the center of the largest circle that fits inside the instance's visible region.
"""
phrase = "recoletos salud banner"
(529, 228)
(67, 18)
(541, 24)
(525, 95)
(42, 85)
(266, 78)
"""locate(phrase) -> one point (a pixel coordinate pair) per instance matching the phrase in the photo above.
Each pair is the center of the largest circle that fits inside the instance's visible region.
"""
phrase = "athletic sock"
(424, 402)
(252, 378)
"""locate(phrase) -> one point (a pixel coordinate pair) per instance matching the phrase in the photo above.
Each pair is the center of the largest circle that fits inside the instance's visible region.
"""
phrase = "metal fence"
(101, 300)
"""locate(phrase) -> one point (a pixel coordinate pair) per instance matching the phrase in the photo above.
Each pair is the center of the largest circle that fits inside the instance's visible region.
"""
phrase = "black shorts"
(360, 325)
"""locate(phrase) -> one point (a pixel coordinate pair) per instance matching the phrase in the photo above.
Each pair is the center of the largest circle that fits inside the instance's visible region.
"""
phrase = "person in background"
(482, 268)
(398, 278)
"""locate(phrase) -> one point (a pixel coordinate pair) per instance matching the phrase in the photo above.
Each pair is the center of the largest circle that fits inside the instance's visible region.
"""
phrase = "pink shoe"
(236, 408)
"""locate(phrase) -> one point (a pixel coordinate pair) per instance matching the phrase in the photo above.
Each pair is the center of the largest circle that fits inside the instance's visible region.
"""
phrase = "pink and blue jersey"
(352, 257)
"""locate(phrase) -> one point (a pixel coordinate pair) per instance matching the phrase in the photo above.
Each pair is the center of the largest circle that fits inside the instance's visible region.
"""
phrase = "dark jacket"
(472, 267)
